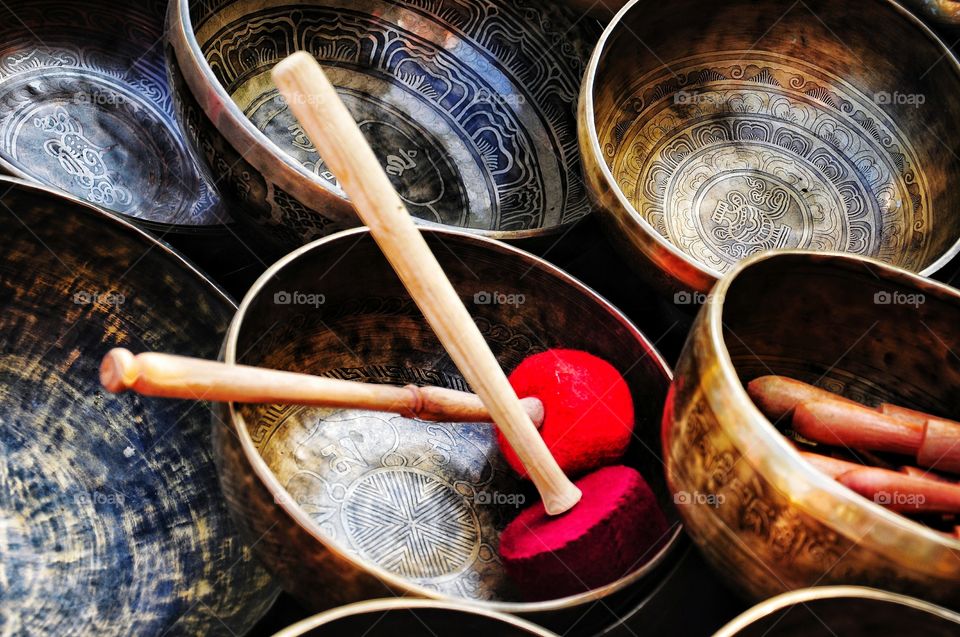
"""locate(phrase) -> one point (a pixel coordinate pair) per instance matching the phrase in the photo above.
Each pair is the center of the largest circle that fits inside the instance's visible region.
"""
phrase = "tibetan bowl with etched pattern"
(768, 520)
(85, 107)
(352, 505)
(469, 105)
(739, 127)
(851, 611)
(112, 520)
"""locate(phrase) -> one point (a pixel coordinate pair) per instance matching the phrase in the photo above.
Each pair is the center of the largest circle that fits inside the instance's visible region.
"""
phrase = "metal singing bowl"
(744, 126)
(767, 519)
(850, 611)
(352, 505)
(112, 521)
(85, 107)
(470, 106)
(412, 617)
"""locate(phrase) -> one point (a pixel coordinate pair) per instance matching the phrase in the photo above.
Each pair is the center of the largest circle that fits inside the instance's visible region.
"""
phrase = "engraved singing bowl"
(768, 520)
(349, 505)
(739, 127)
(470, 106)
(85, 107)
(112, 521)
(412, 617)
(847, 611)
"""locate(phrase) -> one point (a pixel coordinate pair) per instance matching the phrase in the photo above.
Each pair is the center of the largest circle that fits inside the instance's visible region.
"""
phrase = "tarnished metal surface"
(111, 518)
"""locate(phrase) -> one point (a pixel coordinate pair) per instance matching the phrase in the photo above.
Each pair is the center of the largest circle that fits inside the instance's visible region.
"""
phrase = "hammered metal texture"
(85, 106)
(469, 105)
(771, 133)
(111, 518)
(773, 522)
(359, 504)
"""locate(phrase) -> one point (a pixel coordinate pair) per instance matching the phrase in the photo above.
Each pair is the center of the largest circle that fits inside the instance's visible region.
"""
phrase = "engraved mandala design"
(734, 153)
(411, 523)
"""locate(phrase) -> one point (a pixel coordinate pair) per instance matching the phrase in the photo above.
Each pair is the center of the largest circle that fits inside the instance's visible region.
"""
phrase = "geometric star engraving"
(411, 524)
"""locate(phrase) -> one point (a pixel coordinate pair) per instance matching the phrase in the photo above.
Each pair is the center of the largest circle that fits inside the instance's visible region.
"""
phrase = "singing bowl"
(768, 520)
(85, 107)
(850, 611)
(112, 521)
(747, 126)
(470, 107)
(426, 618)
(353, 505)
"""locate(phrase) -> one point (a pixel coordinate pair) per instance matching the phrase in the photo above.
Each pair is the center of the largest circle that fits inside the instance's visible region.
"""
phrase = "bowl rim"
(395, 582)
(401, 603)
(611, 183)
(768, 442)
(804, 595)
(181, 34)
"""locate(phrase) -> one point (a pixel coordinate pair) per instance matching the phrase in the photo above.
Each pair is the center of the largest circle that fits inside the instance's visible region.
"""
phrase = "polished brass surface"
(847, 611)
(352, 505)
(766, 519)
(739, 127)
(412, 617)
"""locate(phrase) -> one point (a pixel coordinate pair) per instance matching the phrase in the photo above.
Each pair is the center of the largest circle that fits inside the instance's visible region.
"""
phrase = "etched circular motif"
(410, 523)
(731, 154)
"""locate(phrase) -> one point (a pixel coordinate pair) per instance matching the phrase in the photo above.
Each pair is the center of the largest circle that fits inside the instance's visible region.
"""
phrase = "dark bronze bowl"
(471, 107)
(352, 505)
(767, 519)
(412, 617)
(112, 521)
(843, 611)
(743, 126)
(85, 107)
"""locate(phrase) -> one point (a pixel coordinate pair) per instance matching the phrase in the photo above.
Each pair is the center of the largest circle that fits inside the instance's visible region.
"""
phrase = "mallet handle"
(171, 376)
(328, 123)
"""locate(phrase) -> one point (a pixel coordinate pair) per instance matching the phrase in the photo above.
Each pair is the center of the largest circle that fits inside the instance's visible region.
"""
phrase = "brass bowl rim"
(279, 165)
(803, 595)
(401, 603)
(772, 444)
(296, 513)
(589, 82)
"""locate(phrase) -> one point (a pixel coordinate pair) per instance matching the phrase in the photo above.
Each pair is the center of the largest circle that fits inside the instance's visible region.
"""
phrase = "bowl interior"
(112, 517)
(469, 105)
(425, 502)
(745, 126)
(848, 615)
(86, 108)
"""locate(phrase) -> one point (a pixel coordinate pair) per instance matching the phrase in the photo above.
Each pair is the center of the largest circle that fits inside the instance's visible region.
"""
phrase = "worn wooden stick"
(328, 123)
(170, 376)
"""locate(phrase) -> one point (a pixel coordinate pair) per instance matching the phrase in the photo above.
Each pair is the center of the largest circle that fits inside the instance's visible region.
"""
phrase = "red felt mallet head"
(611, 532)
(588, 409)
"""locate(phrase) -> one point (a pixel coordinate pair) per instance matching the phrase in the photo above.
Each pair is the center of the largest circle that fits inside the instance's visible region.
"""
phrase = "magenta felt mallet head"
(615, 528)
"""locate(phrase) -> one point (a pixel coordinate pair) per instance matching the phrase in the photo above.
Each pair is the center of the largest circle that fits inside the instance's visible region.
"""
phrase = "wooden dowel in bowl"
(314, 101)
(171, 376)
